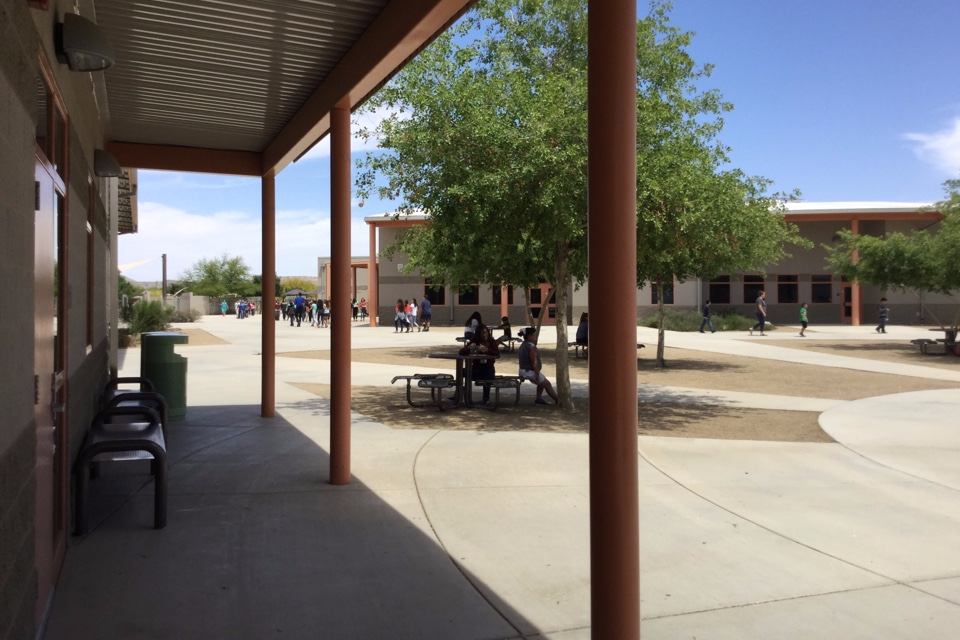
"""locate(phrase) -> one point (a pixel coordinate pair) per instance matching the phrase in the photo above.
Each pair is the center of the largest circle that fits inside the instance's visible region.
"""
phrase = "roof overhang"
(246, 88)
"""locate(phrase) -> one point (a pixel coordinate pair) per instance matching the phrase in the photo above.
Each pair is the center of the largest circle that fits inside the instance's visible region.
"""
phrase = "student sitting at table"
(507, 331)
(470, 326)
(482, 343)
(530, 365)
(583, 331)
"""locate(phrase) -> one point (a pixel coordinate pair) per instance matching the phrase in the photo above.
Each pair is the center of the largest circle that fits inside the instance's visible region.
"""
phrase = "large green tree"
(489, 136)
(696, 217)
(218, 277)
(920, 260)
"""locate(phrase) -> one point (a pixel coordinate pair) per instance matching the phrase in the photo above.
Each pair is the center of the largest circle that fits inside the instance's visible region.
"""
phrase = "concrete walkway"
(479, 535)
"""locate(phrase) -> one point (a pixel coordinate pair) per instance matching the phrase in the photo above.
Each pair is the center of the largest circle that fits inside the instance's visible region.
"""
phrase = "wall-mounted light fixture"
(105, 165)
(81, 45)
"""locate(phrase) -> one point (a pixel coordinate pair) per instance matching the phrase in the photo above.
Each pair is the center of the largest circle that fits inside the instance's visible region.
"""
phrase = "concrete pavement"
(484, 535)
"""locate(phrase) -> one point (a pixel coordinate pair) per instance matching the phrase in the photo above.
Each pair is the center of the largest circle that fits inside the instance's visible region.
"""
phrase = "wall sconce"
(105, 165)
(80, 44)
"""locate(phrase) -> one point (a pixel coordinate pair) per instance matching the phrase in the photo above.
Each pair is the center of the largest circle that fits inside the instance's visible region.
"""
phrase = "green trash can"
(165, 369)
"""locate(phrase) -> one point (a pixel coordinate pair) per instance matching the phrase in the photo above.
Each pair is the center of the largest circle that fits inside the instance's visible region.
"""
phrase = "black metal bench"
(510, 343)
(498, 383)
(123, 434)
(580, 349)
(436, 382)
(926, 345)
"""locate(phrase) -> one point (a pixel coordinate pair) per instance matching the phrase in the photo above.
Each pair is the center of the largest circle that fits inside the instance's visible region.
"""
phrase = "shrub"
(148, 316)
(675, 320)
(733, 321)
(685, 320)
(190, 315)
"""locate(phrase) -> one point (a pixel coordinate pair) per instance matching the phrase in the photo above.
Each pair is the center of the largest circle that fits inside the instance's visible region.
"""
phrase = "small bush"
(148, 316)
(737, 322)
(675, 320)
(190, 315)
(685, 320)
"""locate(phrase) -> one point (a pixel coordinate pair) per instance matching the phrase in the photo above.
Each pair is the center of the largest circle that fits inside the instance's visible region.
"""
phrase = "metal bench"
(510, 343)
(436, 382)
(580, 350)
(926, 344)
(498, 383)
(123, 434)
(113, 388)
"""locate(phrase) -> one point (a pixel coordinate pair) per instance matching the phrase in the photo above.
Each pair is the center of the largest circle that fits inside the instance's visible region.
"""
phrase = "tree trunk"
(660, 319)
(561, 287)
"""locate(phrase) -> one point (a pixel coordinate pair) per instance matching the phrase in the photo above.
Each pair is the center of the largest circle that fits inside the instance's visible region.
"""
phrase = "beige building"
(802, 277)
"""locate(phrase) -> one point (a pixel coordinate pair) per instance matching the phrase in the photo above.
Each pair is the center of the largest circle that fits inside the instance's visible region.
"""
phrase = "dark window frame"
(788, 289)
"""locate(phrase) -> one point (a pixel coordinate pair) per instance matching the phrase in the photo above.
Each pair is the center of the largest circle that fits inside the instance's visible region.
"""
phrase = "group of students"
(405, 316)
(480, 340)
(761, 314)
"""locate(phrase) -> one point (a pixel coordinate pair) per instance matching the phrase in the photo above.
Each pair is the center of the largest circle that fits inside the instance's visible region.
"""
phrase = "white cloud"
(940, 149)
(302, 237)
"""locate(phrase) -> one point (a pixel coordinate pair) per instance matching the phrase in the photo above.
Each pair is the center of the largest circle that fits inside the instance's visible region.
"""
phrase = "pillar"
(339, 295)
(614, 495)
(268, 270)
(373, 278)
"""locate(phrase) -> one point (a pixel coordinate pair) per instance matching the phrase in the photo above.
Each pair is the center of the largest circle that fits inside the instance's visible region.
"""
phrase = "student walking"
(803, 319)
(884, 314)
(706, 318)
(761, 312)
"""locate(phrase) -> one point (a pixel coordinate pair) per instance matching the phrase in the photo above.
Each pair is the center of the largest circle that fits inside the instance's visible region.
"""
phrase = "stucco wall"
(18, 70)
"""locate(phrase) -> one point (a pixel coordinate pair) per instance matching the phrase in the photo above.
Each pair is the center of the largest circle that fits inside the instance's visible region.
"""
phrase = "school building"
(802, 277)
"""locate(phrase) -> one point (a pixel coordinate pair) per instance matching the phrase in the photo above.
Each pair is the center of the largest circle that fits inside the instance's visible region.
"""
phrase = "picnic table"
(464, 376)
(940, 346)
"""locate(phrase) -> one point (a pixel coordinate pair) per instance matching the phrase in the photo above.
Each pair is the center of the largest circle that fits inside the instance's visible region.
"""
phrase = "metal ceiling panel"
(220, 74)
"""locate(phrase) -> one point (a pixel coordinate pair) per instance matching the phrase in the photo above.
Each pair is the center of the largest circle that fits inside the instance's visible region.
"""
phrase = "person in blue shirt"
(425, 313)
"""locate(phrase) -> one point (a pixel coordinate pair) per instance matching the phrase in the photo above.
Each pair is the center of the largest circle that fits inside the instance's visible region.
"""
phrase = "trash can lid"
(171, 336)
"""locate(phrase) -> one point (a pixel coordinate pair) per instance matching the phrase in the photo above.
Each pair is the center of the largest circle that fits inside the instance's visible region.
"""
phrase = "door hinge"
(36, 195)
(36, 389)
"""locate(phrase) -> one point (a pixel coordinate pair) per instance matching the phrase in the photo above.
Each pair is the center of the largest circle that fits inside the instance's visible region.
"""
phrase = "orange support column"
(612, 161)
(268, 336)
(373, 279)
(339, 295)
(855, 286)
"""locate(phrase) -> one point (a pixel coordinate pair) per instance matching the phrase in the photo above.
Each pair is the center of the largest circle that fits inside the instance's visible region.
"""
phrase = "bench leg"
(160, 493)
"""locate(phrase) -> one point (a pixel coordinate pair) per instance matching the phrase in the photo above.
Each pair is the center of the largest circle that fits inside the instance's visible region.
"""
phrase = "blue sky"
(844, 100)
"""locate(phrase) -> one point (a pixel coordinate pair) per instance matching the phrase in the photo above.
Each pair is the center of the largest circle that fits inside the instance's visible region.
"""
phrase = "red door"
(49, 391)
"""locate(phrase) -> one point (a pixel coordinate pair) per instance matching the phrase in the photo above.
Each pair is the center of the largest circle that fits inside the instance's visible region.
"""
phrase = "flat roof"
(856, 207)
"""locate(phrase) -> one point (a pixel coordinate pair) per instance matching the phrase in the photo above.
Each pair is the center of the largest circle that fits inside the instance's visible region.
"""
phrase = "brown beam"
(612, 179)
(172, 158)
(401, 30)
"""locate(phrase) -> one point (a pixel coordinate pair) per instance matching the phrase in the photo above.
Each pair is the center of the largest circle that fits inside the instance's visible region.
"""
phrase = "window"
(752, 286)
(821, 289)
(469, 295)
(788, 289)
(536, 296)
(720, 290)
(667, 293)
(435, 296)
(498, 295)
